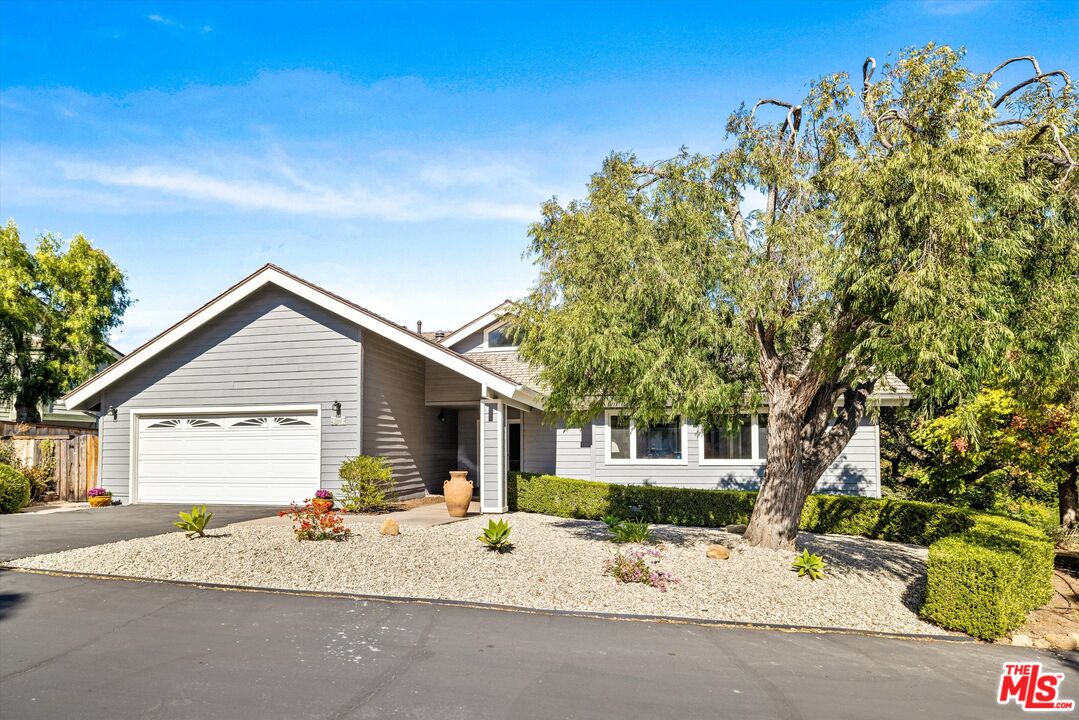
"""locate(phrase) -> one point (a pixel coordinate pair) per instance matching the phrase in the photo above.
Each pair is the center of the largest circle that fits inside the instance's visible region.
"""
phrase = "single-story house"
(258, 397)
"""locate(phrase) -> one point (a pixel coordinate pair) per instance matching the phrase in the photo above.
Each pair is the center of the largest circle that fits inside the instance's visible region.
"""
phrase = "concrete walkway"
(421, 516)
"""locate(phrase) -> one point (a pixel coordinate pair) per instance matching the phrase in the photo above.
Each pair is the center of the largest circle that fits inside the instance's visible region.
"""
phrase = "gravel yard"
(555, 564)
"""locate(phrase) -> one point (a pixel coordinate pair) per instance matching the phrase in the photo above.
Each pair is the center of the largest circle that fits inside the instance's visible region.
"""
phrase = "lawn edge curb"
(596, 615)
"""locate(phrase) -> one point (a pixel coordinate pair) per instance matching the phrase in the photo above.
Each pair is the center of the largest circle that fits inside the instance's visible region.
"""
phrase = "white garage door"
(251, 458)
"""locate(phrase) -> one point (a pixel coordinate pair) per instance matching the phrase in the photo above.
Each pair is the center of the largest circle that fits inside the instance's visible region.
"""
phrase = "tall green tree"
(914, 223)
(58, 303)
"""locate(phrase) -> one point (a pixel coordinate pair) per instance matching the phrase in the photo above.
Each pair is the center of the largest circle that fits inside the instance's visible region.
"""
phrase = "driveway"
(23, 534)
(114, 649)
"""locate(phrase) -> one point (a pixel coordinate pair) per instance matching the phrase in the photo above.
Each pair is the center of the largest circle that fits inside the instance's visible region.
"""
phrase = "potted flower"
(323, 501)
(99, 497)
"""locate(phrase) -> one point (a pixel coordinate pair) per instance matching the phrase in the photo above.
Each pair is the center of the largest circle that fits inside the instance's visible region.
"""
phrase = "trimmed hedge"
(984, 572)
(14, 489)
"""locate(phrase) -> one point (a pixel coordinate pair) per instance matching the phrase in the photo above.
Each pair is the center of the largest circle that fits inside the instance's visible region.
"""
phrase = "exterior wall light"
(336, 408)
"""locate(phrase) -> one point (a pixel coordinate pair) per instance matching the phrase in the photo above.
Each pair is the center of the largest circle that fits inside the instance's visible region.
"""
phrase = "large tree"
(58, 303)
(921, 231)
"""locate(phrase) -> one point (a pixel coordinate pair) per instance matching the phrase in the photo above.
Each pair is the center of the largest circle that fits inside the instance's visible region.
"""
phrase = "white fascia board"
(477, 324)
(386, 329)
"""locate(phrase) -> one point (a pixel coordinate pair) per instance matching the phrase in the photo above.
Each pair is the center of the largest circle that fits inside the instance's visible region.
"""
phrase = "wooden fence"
(74, 459)
(23, 430)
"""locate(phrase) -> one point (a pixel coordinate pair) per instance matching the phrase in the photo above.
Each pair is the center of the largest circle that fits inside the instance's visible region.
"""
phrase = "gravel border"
(556, 564)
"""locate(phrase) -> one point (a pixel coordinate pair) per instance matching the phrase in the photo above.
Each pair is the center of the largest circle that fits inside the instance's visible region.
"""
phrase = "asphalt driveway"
(24, 534)
(79, 647)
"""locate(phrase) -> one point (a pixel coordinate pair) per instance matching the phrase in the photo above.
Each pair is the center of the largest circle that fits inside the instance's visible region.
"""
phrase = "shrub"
(14, 490)
(984, 572)
(310, 524)
(635, 566)
(193, 523)
(496, 536)
(809, 565)
(367, 484)
(611, 520)
(632, 531)
(40, 476)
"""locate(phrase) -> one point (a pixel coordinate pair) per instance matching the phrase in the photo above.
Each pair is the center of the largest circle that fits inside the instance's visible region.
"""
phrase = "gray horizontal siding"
(467, 455)
(855, 472)
(446, 387)
(539, 444)
(491, 421)
(398, 424)
(271, 349)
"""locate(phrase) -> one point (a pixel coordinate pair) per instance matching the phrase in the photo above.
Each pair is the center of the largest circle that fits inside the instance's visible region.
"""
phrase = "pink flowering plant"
(324, 495)
(638, 566)
(98, 492)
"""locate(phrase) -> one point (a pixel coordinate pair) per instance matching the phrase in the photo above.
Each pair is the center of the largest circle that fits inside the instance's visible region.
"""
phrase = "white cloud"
(162, 20)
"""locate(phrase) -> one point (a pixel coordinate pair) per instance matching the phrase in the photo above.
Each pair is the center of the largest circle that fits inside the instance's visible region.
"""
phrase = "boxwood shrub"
(14, 489)
(983, 575)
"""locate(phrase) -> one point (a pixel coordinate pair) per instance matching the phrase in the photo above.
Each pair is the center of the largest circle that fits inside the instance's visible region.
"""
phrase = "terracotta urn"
(100, 500)
(322, 505)
(458, 493)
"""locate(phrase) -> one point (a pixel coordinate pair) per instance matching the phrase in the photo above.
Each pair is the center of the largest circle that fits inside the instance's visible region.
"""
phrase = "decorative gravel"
(555, 564)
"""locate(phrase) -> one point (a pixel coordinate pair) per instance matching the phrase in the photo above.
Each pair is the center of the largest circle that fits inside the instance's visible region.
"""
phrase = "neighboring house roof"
(506, 363)
(271, 274)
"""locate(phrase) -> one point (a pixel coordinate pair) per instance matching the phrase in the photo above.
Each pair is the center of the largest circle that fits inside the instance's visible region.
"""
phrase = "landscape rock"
(390, 527)
(1042, 643)
(718, 552)
(1022, 641)
(736, 529)
(1061, 641)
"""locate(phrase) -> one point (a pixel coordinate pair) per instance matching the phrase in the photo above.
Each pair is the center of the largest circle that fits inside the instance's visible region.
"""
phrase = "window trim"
(632, 460)
(487, 338)
(754, 443)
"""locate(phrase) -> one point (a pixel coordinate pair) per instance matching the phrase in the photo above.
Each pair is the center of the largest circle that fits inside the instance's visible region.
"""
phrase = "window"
(659, 443)
(747, 443)
(501, 337)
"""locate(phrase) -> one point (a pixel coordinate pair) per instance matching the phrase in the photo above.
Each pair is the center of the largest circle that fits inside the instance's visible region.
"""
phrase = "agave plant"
(809, 564)
(611, 520)
(496, 536)
(195, 522)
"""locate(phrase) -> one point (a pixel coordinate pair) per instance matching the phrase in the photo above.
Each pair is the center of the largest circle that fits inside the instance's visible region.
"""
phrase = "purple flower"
(324, 495)
(98, 492)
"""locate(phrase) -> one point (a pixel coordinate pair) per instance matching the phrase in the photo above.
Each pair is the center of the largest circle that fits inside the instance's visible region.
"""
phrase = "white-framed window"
(746, 444)
(499, 337)
(658, 444)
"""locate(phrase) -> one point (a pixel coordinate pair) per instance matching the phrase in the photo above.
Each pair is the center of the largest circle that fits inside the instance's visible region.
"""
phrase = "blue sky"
(397, 152)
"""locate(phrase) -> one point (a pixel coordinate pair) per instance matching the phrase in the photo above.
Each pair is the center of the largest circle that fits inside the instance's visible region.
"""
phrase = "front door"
(513, 451)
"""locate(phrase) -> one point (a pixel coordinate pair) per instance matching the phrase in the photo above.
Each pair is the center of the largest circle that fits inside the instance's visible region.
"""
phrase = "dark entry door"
(513, 461)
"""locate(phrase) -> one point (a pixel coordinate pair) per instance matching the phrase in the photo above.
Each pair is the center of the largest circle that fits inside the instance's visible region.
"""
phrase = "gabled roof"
(273, 275)
(487, 318)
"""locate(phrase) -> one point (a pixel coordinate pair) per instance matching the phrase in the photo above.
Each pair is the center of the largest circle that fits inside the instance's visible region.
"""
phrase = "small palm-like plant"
(611, 520)
(194, 523)
(496, 536)
(632, 531)
(808, 564)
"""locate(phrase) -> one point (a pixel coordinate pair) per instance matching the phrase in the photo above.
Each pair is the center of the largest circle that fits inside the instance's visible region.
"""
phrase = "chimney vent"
(419, 326)
(439, 335)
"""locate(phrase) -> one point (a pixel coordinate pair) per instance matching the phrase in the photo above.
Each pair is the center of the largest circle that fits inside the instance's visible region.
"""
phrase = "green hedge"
(984, 572)
(14, 489)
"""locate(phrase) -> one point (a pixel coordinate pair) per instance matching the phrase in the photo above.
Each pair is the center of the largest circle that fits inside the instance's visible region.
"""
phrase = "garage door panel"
(249, 458)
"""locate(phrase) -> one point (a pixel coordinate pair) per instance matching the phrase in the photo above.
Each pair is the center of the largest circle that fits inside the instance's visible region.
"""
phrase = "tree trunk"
(778, 510)
(26, 412)
(1068, 495)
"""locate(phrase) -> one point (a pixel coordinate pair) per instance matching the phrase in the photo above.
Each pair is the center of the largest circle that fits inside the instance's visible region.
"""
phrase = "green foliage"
(632, 531)
(57, 306)
(984, 572)
(14, 490)
(808, 564)
(984, 581)
(912, 222)
(367, 484)
(496, 536)
(611, 520)
(40, 476)
(194, 523)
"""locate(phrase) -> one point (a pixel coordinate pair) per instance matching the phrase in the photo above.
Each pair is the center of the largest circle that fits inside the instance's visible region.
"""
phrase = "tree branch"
(1036, 78)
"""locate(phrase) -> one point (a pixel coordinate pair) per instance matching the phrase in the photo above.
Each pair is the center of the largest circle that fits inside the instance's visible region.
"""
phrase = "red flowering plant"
(308, 523)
